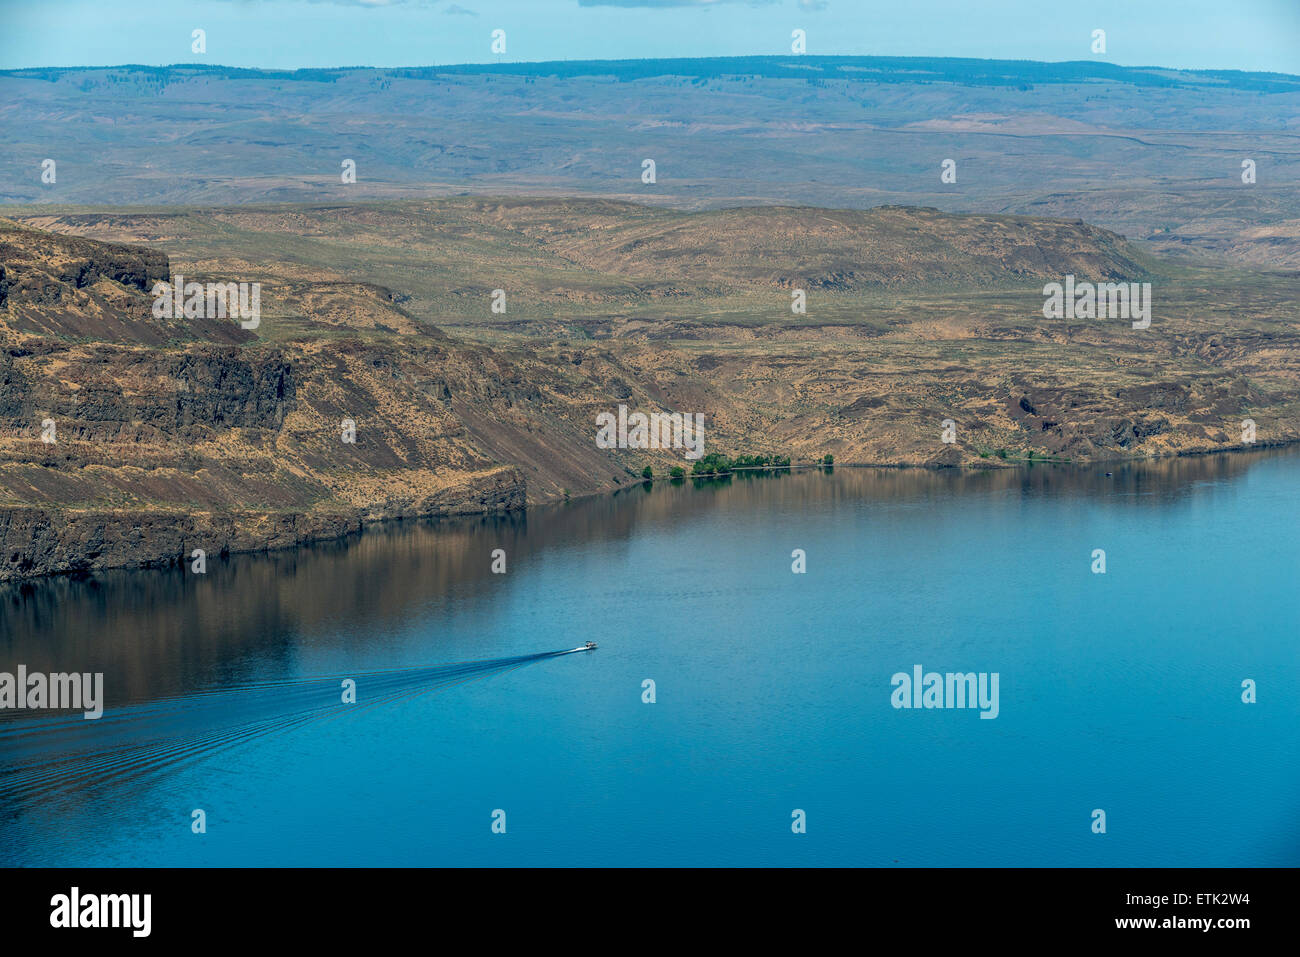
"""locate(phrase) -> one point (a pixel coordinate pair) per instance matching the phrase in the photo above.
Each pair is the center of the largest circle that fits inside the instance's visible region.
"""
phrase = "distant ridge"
(966, 71)
(1155, 155)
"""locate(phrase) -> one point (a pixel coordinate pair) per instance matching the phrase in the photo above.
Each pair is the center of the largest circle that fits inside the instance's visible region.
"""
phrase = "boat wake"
(44, 756)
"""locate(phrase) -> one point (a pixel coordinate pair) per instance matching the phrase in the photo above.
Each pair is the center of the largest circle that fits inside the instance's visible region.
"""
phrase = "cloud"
(458, 10)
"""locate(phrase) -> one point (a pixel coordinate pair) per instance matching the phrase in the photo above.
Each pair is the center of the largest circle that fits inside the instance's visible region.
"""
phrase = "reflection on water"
(1119, 691)
(160, 633)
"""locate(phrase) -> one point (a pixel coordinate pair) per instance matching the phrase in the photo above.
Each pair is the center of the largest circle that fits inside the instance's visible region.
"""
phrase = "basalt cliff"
(381, 383)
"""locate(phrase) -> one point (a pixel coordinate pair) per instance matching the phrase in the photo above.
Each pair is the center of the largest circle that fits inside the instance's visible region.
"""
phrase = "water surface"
(1119, 691)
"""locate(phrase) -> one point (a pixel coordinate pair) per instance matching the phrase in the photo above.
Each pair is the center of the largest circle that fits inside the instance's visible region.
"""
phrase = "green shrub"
(715, 463)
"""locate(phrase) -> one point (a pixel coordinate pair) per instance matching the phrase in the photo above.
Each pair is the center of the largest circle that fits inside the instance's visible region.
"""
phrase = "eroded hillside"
(176, 434)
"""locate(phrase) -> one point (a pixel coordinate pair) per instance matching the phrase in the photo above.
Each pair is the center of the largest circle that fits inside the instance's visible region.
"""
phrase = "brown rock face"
(79, 288)
(349, 404)
(46, 541)
(130, 441)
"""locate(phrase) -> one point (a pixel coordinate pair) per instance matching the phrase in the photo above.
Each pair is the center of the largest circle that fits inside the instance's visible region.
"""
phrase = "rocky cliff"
(127, 439)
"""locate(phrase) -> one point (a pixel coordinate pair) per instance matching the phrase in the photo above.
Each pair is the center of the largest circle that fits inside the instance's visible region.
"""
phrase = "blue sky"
(287, 34)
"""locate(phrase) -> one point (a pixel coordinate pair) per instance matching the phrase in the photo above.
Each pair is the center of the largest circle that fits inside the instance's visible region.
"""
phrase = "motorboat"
(589, 646)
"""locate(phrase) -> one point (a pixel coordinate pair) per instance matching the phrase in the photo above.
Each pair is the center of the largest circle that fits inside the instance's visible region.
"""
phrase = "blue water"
(1119, 691)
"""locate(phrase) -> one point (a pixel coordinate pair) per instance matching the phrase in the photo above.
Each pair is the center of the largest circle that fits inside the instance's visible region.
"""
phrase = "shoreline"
(306, 529)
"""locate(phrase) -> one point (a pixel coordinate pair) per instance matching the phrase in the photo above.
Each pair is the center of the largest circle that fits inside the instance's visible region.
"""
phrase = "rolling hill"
(182, 434)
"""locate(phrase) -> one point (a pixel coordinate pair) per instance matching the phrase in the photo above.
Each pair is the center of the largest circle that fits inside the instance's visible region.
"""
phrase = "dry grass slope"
(182, 434)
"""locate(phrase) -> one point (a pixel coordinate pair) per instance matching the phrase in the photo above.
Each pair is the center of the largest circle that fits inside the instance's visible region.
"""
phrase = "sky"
(289, 34)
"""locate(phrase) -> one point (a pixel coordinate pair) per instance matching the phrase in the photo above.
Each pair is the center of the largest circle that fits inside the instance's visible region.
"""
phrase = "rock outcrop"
(126, 439)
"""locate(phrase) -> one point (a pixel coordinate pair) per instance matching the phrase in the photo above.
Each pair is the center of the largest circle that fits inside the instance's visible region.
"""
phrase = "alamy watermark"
(658, 430)
(57, 691)
(931, 689)
(1105, 300)
(213, 300)
(76, 909)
